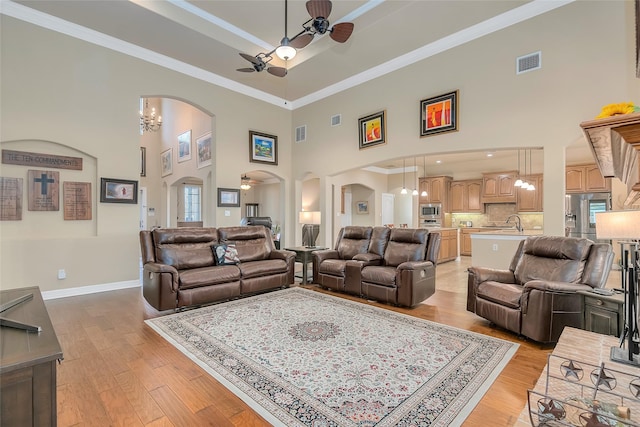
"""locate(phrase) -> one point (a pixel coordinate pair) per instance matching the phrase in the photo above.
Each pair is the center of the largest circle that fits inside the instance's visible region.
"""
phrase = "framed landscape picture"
(228, 198)
(263, 148)
(372, 130)
(439, 114)
(184, 146)
(166, 162)
(118, 191)
(362, 207)
(203, 150)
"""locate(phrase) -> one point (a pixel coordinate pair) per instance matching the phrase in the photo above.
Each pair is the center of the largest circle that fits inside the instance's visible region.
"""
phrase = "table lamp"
(625, 227)
(311, 227)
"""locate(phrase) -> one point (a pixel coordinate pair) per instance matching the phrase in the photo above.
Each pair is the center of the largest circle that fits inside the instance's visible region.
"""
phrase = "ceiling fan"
(319, 10)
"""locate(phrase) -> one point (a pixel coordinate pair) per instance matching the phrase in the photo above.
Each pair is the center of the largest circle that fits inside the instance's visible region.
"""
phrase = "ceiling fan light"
(285, 51)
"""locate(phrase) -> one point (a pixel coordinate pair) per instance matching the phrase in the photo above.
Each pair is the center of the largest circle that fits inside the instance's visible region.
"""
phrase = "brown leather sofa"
(180, 268)
(536, 297)
(395, 266)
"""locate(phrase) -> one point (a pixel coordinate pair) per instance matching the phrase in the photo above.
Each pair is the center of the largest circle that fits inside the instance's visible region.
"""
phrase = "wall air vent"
(336, 120)
(301, 133)
(530, 62)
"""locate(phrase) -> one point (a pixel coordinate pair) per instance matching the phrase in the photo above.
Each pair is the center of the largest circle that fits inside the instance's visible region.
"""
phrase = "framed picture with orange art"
(373, 130)
(439, 114)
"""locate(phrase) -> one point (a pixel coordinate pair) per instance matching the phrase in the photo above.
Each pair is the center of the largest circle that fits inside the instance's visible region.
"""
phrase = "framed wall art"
(184, 146)
(439, 114)
(143, 161)
(203, 150)
(228, 198)
(263, 148)
(118, 191)
(362, 207)
(166, 162)
(373, 130)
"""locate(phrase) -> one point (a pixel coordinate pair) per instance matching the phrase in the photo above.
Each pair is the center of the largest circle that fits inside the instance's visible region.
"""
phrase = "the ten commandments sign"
(44, 190)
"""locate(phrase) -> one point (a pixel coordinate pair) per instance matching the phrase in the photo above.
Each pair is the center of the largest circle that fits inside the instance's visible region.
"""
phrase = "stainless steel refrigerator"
(580, 213)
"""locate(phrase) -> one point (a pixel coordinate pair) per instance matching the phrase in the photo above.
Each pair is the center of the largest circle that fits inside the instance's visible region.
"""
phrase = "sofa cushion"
(406, 245)
(252, 242)
(385, 276)
(226, 254)
(553, 258)
(205, 276)
(185, 248)
(354, 240)
(262, 268)
(334, 267)
(506, 294)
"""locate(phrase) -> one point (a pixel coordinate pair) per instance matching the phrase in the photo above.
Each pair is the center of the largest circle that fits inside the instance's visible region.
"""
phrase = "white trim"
(93, 289)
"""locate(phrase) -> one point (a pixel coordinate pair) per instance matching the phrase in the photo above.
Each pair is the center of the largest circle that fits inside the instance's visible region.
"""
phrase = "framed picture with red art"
(439, 114)
(373, 130)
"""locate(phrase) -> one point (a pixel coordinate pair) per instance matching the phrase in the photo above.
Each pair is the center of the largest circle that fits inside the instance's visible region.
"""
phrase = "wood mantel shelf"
(615, 143)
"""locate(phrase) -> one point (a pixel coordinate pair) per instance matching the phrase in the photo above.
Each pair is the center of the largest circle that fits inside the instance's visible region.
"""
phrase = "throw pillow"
(226, 254)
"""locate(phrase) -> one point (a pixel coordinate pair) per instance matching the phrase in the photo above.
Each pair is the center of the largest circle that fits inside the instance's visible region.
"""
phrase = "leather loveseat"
(536, 297)
(395, 266)
(181, 267)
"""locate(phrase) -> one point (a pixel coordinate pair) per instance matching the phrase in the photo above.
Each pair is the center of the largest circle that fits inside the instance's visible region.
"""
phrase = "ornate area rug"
(303, 358)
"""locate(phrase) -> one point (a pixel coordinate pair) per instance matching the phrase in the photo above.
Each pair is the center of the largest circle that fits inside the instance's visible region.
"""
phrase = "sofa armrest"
(282, 254)
(320, 256)
(416, 281)
(549, 286)
(154, 267)
(368, 259)
(160, 285)
(483, 274)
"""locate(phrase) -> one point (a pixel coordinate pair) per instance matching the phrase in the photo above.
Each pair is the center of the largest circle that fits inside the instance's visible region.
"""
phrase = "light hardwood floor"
(118, 372)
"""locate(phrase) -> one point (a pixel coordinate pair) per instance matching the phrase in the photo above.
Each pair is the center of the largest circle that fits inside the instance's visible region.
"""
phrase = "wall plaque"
(76, 198)
(24, 158)
(10, 199)
(44, 192)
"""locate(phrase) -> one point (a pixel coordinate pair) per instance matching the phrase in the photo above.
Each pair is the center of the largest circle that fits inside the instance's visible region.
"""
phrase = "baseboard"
(93, 289)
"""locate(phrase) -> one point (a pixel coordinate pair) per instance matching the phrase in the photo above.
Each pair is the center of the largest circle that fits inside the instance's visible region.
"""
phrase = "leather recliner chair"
(536, 297)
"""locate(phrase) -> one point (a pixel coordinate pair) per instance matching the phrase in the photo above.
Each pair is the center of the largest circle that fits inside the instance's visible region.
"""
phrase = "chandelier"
(245, 182)
(148, 121)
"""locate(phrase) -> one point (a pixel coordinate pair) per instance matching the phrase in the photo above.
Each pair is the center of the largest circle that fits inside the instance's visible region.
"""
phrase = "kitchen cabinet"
(465, 196)
(437, 188)
(585, 179)
(531, 201)
(498, 187)
(465, 240)
(448, 245)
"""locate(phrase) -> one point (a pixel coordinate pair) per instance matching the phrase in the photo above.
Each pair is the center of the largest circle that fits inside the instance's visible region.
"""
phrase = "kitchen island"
(495, 248)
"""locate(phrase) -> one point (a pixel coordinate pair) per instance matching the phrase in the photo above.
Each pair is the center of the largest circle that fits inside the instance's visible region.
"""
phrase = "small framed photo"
(203, 150)
(143, 161)
(228, 198)
(373, 130)
(439, 114)
(118, 191)
(362, 207)
(166, 162)
(184, 146)
(263, 148)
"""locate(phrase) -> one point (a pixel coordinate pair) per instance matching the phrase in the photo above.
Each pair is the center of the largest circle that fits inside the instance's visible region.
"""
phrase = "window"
(192, 203)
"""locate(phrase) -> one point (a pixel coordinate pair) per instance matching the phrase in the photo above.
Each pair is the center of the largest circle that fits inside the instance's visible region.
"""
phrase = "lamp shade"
(618, 225)
(309, 217)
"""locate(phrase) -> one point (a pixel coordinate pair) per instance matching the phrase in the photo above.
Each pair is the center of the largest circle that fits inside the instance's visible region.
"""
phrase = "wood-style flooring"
(118, 372)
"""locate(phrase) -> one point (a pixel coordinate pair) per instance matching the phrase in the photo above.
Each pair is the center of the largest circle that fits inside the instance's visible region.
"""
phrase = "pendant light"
(415, 190)
(525, 184)
(519, 180)
(531, 187)
(424, 173)
(404, 189)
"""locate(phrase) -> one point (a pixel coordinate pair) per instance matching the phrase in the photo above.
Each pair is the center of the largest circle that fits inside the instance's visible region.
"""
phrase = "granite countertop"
(505, 233)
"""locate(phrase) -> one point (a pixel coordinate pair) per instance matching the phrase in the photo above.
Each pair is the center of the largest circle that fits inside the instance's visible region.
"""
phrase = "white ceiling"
(204, 38)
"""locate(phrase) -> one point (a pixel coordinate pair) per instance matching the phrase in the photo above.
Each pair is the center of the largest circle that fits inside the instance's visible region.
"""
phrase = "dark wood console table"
(303, 255)
(28, 363)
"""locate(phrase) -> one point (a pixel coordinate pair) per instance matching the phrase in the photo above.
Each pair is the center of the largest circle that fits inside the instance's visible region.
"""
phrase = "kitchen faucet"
(518, 222)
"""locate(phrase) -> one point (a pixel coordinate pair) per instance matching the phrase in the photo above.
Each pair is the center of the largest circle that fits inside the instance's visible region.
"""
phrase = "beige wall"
(84, 99)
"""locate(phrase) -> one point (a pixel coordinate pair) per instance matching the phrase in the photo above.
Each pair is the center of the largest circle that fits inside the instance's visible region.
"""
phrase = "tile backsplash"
(495, 214)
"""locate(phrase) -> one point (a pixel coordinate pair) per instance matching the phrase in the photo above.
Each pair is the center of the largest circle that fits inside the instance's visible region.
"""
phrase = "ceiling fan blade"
(252, 59)
(301, 41)
(341, 32)
(277, 71)
(246, 70)
(319, 8)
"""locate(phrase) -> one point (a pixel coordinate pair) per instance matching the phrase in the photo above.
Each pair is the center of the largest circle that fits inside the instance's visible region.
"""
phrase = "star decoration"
(634, 387)
(570, 369)
(551, 407)
(600, 377)
(590, 419)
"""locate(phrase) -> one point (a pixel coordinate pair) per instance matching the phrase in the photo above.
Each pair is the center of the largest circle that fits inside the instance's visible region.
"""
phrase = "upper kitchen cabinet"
(531, 200)
(465, 196)
(498, 187)
(437, 188)
(585, 179)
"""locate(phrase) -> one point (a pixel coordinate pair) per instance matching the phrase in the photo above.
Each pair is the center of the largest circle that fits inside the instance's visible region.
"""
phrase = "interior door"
(388, 200)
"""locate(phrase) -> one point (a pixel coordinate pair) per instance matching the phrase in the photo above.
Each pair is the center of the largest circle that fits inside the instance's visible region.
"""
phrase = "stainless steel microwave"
(430, 210)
